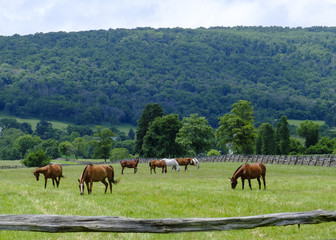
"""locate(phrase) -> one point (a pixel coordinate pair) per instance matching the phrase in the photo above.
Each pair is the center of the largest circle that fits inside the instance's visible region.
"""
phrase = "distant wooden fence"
(311, 160)
(57, 223)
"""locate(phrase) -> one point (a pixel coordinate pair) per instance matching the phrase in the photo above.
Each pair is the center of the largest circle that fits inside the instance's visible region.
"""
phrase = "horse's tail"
(150, 163)
(112, 177)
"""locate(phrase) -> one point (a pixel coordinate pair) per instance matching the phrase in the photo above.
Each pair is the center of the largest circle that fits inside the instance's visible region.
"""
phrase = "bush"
(36, 159)
(213, 152)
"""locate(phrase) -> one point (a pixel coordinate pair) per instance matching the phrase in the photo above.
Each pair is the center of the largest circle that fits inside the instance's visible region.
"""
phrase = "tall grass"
(196, 193)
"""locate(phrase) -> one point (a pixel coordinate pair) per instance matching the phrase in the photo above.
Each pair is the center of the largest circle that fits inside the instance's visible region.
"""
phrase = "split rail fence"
(58, 223)
(310, 160)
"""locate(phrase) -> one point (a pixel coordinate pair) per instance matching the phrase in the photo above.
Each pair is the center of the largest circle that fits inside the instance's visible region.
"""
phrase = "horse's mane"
(85, 169)
(238, 169)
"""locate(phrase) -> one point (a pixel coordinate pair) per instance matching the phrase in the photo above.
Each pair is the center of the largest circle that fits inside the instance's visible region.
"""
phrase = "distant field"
(11, 163)
(63, 125)
(298, 122)
(196, 193)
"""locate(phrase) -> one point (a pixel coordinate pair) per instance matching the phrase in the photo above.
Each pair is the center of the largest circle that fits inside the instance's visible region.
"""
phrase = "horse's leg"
(45, 182)
(243, 181)
(53, 181)
(264, 180)
(57, 179)
(122, 170)
(89, 186)
(249, 180)
(259, 182)
(154, 169)
(105, 183)
(135, 170)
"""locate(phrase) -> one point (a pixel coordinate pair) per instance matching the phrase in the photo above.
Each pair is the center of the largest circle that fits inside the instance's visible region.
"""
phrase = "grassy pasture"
(197, 193)
(298, 122)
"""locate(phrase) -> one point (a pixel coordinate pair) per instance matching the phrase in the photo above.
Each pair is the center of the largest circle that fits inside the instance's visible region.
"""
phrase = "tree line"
(160, 135)
(96, 77)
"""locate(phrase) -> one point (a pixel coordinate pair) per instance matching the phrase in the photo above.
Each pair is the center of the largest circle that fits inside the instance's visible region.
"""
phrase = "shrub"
(213, 152)
(36, 159)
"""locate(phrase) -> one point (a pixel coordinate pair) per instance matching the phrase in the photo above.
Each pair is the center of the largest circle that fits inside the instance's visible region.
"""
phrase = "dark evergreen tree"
(131, 134)
(265, 144)
(282, 137)
(150, 112)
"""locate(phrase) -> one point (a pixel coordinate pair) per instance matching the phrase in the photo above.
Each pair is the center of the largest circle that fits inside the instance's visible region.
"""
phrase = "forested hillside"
(110, 76)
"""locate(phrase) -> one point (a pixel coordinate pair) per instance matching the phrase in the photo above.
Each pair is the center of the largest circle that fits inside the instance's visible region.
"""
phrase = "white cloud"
(31, 16)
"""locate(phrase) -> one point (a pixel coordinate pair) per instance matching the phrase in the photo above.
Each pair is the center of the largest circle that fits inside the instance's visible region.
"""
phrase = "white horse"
(195, 162)
(173, 163)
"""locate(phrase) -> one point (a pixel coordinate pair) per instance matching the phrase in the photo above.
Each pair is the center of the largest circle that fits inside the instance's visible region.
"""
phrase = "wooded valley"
(109, 76)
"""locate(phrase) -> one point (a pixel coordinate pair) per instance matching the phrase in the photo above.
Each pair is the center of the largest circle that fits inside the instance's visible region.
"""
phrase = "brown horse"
(96, 173)
(130, 164)
(53, 171)
(184, 162)
(248, 171)
(158, 163)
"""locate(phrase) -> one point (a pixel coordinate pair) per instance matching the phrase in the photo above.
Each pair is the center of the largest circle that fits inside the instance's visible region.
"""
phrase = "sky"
(34, 16)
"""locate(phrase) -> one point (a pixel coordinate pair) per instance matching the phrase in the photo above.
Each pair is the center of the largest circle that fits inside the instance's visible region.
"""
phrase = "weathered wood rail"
(58, 223)
(310, 160)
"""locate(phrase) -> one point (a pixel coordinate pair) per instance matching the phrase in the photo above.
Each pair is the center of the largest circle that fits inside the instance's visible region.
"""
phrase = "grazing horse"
(249, 171)
(173, 163)
(130, 164)
(96, 173)
(184, 162)
(158, 163)
(195, 162)
(53, 171)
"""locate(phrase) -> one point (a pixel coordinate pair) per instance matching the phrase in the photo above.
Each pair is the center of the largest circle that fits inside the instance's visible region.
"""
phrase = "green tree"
(282, 137)
(50, 146)
(45, 130)
(150, 112)
(131, 134)
(25, 143)
(65, 148)
(324, 146)
(79, 147)
(237, 128)
(195, 134)
(296, 146)
(7, 138)
(160, 138)
(103, 143)
(310, 132)
(119, 153)
(36, 159)
(213, 152)
(265, 143)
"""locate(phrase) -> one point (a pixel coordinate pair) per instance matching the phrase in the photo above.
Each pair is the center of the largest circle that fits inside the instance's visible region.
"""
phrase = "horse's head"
(37, 175)
(81, 186)
(233, 183)
(196, 162)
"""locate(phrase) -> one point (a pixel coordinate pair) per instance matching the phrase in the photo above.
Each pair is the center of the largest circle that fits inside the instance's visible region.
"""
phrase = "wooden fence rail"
(58, 223)
(311, 160)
